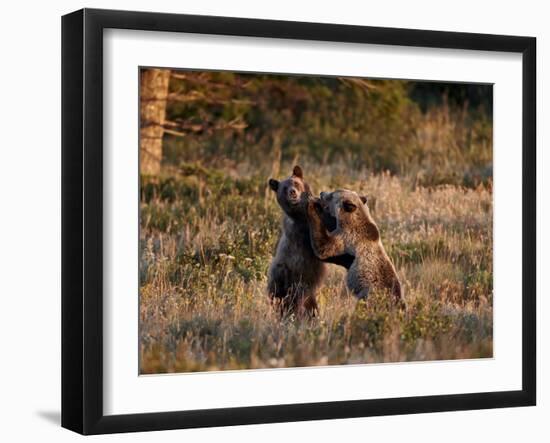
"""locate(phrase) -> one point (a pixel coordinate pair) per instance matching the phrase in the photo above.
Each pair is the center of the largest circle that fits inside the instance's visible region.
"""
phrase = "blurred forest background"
(441, 133)
(209, 141)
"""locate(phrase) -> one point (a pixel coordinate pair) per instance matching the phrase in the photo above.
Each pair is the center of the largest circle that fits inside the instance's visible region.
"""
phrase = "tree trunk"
(153, 93)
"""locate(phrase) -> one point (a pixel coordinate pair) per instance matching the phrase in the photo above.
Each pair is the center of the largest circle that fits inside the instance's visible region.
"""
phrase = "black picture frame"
(82, 218)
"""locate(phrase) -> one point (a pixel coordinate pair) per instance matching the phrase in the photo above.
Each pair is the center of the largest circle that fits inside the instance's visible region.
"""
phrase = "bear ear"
(349, 206)
(297, 172)
(363, 199)
(274, 184)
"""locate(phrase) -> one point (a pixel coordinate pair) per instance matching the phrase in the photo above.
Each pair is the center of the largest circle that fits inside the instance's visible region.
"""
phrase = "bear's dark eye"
(349, 206)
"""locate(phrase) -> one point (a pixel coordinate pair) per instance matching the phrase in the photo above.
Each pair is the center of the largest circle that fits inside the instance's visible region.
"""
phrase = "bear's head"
(347, 211)
(291, 192)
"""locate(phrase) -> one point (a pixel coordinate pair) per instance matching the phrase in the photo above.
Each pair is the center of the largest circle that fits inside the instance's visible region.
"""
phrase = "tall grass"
(207, 237)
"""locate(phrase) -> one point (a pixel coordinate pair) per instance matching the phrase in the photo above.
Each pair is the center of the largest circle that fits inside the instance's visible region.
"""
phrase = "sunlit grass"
(207, 238)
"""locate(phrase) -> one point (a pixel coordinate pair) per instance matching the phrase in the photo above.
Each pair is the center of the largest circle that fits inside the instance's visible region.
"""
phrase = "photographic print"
(292, 221)
(253, 209)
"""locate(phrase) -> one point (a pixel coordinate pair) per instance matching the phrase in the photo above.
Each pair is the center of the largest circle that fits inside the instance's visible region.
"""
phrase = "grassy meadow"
(206, 242)
(210, 225)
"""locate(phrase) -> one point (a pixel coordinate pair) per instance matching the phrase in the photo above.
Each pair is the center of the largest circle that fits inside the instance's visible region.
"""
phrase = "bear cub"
(340, 222)
(296, 272)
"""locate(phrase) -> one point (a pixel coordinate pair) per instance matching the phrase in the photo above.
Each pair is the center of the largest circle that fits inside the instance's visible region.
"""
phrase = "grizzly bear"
(340, 222)
(296, 272)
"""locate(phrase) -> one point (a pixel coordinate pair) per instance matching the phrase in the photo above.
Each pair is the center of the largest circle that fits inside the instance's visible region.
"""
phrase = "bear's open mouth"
(329, 222)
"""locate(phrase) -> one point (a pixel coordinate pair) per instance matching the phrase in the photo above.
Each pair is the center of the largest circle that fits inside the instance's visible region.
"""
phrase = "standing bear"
(296, 272)
(340, 222)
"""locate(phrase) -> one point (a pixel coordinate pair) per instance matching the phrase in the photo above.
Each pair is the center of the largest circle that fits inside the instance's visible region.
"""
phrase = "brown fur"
(296, 272)
(352, 231)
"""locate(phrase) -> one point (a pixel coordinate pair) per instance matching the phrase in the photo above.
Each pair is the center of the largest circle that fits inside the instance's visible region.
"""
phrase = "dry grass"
(207, 237)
